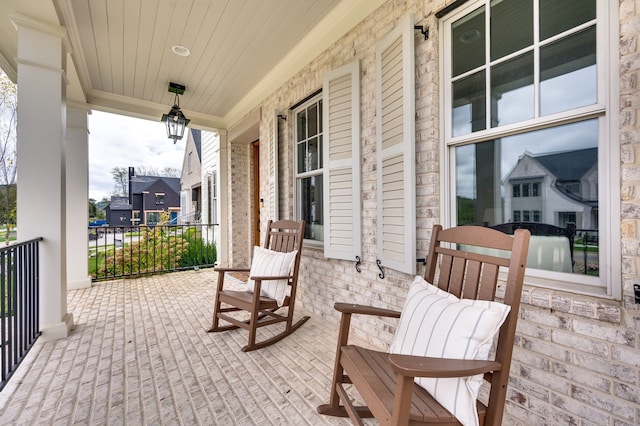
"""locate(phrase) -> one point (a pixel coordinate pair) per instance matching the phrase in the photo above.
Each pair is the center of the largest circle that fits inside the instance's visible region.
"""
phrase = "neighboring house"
(118, 211)
(556, 189)
(149, 197)
(191, 179)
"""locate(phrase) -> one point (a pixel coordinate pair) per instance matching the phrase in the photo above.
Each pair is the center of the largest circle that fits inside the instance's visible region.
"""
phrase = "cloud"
(120, 141)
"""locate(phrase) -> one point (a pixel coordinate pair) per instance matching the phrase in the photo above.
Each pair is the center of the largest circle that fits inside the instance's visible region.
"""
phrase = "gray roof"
(142, 183)
(119, 203)
(197, 141)
(570, 165)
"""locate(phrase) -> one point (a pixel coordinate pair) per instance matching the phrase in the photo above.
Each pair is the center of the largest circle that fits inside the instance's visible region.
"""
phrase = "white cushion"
(437, 324)
(269, 263)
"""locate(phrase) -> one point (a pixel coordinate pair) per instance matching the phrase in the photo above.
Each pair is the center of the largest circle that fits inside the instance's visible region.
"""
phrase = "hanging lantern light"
(175, 120)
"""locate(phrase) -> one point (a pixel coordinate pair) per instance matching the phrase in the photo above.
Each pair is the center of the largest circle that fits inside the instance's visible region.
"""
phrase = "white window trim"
(608, 284)
(298, 176)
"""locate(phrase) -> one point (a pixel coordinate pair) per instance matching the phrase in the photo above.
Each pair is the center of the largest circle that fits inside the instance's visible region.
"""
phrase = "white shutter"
(341, 157)
(395, 133)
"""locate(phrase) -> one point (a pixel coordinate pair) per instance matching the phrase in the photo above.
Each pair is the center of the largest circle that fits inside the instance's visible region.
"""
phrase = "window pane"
(468, 46)
(302, 157)
(301, 125)
(312, 117)
(311, 207)
(511, 26)
(558, 16)
(560, 164)
(312, 155)
(469, 106)
(568, 73)
(512, 90)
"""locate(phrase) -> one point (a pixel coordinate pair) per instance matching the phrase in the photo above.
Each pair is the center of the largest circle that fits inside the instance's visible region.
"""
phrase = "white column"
(41, 163)
(223, 201)
(77, 159)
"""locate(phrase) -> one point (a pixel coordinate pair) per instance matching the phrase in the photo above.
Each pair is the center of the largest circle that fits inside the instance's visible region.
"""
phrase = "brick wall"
(240, 244)
(577, 358)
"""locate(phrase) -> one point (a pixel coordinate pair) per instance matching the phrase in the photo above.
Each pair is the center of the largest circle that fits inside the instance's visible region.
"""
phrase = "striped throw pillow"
(269, 263)
(437, 324)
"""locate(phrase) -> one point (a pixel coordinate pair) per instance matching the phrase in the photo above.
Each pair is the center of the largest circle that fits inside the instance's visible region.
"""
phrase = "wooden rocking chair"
(386, 381)
(283, 237)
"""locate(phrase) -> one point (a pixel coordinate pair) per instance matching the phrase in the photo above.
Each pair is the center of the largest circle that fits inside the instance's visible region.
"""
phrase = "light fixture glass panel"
(558, 16)
(468, 42)
(568, 76)
(512, 91)
(469, 104)
(511, 26)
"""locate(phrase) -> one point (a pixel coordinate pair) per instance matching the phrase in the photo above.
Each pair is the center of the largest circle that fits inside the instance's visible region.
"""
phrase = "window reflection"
(548, 176)
(512, 91)
(469, 104)
(468, 42)
(312, 208)
(559, 16)
(568, 73)
(511, 26)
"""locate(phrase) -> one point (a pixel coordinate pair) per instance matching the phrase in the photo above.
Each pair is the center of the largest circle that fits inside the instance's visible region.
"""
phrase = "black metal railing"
(121, 251)
(585, 253)
(19, 289)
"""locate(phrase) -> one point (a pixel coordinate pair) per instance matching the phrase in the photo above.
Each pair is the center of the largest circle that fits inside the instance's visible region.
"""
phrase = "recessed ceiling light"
(470, 36)
(181, 51)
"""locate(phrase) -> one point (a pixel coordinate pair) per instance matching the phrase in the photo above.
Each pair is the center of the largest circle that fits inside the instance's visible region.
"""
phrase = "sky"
(120, 141)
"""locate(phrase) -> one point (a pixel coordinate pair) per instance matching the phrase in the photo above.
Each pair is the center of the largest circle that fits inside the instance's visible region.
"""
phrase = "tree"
(121, 180)
(95, 211)
(152, 171)
(8, 152)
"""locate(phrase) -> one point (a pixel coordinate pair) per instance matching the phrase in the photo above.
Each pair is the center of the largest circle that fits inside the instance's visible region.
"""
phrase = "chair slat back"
(466, 260)
(286, 236)
(473, 274)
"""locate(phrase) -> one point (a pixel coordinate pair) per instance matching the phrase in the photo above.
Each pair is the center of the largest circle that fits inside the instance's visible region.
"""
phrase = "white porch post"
(223, 204)
(77, 158)
(41, 163)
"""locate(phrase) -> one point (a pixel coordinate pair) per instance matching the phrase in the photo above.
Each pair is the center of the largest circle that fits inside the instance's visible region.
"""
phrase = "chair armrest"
(350, 308)
(418, 366)
(231, 269)
(282, 277)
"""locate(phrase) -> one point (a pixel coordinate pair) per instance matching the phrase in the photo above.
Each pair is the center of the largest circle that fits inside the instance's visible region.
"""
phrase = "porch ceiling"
(241, 50)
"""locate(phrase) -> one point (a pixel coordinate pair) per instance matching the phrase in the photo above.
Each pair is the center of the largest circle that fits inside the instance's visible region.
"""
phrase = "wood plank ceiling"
(123, 48)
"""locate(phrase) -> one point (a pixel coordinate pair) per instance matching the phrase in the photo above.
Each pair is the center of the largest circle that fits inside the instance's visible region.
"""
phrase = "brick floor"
(140, 354)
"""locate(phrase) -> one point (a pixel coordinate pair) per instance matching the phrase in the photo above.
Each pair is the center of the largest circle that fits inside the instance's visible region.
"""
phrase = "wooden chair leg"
(217, 304)
(253, 320)
(333, 408)
(215, 321)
